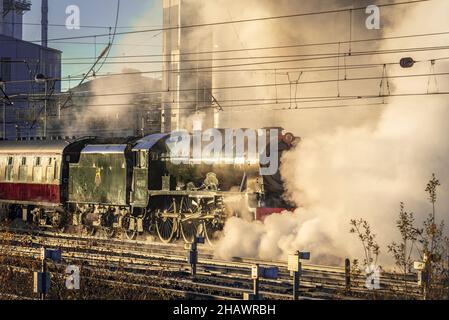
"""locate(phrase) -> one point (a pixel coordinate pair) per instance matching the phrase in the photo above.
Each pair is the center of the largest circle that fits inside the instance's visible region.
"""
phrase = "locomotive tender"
(130, 185)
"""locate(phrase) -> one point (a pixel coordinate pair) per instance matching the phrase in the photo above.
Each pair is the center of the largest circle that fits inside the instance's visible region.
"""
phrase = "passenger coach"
(34, 176)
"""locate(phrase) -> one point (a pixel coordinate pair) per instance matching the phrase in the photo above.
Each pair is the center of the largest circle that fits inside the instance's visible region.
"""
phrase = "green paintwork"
(140, 188)
(99, 178)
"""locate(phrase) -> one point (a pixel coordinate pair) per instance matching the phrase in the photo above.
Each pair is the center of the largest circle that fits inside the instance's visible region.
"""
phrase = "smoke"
(275, 238)
(357, 173)
(277, 34)
(365, 174)
(360, 167)
(113, 106)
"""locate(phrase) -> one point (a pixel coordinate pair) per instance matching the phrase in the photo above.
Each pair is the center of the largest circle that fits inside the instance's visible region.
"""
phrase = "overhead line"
(357, 98)
(272, 47)
(304, 69)
(313, 56)
(296, 15)
(255, 86)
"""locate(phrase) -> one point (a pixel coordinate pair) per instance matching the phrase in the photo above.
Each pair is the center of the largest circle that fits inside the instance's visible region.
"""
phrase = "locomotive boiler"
(133, 186)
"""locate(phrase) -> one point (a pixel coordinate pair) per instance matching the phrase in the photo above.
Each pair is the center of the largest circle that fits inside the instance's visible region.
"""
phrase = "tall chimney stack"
(44, 22)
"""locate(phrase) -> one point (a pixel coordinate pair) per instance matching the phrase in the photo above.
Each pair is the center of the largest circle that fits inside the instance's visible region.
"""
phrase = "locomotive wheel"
(60, 229)
(209, 232)
(109, 232)
(190, 229)
(131, 234)
(166, 228)
(89, 230)
(57, 222)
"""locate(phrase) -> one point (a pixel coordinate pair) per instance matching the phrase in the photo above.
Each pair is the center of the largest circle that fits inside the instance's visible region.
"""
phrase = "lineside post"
(42, 279)
(295, 268)
(348, 275)
(193, 254)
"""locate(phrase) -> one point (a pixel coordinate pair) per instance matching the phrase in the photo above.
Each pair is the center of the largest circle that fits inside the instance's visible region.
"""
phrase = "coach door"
(139, 194)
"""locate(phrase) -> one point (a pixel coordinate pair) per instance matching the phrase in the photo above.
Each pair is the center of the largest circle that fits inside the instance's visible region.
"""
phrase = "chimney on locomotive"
(287, 137)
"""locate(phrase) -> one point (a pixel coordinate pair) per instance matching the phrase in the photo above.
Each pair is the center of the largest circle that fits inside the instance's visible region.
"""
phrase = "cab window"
(140, 159)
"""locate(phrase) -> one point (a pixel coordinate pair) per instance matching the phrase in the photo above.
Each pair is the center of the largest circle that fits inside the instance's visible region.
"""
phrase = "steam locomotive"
(132, 186)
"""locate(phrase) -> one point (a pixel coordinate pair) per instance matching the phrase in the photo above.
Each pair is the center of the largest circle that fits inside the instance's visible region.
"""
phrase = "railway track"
(142, 261)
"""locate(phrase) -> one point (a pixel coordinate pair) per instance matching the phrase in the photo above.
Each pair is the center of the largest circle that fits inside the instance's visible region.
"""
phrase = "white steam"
(357, 173)
(360, 165)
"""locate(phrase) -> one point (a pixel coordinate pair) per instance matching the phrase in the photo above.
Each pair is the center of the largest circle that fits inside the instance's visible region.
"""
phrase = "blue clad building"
(20, 62)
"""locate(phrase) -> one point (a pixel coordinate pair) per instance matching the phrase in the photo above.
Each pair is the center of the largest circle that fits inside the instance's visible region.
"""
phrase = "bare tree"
(402, 252)
(432, 248)
(368, 239)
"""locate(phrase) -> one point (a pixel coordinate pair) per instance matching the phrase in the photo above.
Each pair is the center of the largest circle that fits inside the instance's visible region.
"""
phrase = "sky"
(101, 13)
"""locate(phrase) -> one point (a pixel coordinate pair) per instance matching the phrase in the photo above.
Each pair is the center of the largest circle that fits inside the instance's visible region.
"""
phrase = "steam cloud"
(355, 173)
(359, 169)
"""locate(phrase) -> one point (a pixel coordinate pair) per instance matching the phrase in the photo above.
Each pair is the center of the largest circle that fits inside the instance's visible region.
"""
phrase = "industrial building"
(26, 103)
(187, 81)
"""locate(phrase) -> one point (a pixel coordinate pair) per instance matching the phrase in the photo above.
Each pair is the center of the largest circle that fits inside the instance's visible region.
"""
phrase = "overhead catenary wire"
(80, 93)
(104, 53)
(112, 39)
(328, 55)
(329, 99)
(397, 95)
(81, 26)
(323, 68)
(266, 47)
(205, 69)
(278, 46)
(218, 23)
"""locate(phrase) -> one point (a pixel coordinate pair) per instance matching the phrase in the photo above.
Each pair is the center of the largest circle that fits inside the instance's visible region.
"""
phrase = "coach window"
(56, 172)
(9, 169)
(50, 170)
(23, 170)
(3, 164)
(2, 168)
(37, 170)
